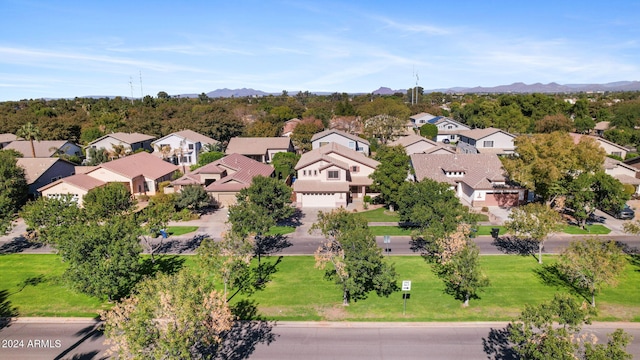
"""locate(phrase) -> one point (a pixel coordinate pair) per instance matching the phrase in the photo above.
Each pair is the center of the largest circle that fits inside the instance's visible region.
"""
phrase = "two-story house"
(345, 139)
(182, 147)
(45, 148)
(416, 144)
(489, 140)
(259, 149)
(331, 175)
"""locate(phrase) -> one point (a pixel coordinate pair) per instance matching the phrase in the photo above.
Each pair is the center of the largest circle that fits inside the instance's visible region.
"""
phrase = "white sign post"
(406, 286)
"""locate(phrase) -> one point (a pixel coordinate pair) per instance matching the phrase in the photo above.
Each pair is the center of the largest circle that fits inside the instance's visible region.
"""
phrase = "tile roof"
(257, 145)
(245, 169)
(320, 186)
(191, 136)
(324, 133)
(128, 138)
(410, 140)
(324, 153)
(7, 137)
(82, 181)
(44, 148)
(141, 163)
(577, 137)
(479, 169)
(477, 134)
(34, 168)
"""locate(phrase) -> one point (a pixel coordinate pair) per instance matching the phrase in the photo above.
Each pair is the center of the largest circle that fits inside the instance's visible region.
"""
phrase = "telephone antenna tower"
(131, 85)
(141, 95)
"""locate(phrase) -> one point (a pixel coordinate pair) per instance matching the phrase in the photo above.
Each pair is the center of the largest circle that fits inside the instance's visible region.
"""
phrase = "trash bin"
(495, 232)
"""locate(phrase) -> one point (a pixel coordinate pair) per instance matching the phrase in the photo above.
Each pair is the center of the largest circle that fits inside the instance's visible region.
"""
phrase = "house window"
(352, 144)
(487, 144)
(323, 143)
(304, 172)
(190, 146)
(449, 127)
(333, 175)
(355, 169)
(617, 153)
(452, 137)
(315, 172)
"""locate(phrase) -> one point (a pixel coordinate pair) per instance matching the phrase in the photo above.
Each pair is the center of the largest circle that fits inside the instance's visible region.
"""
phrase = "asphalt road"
(78, 340)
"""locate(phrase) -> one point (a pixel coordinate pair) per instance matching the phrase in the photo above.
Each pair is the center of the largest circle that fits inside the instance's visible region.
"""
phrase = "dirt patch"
(333, 313)
(617, 312)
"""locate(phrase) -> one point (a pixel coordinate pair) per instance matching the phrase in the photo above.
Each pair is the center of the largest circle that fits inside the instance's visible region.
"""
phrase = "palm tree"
(29, 132)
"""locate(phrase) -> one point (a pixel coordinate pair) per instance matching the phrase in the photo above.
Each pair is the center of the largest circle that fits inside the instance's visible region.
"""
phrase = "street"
(290, 340)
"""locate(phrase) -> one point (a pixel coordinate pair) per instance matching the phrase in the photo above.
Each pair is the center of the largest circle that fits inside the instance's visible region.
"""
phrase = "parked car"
(626, 213)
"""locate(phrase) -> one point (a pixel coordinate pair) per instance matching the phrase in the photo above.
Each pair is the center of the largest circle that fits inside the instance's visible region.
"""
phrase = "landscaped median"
(299, 292)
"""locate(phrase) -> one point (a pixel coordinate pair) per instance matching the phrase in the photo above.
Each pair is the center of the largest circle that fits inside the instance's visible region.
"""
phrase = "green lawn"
(390, 230)
(590, 229)
(180, 230)
(380, 215)
(280, 230)
(486, 230)
(298, 291)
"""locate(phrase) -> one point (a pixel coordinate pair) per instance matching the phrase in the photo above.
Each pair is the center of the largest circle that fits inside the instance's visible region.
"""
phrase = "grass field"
(180, 230)
(298, 291)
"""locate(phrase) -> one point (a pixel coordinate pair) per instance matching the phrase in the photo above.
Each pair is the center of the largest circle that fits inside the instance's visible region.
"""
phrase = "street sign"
(406, 285)
(387, 239)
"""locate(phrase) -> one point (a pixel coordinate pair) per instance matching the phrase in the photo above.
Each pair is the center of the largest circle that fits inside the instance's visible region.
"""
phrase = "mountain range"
(513, 88)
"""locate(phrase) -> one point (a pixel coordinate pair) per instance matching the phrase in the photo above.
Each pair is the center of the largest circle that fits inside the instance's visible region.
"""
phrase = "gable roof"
(478, 134)
(324, 133)
(245, 170)
(81, 181)
(141, 163)
(422, 115)
(324, 153)
(257, 145)
(577, 137)
(7, 138)
(34, 168)
(191, 136)
(410, 140)
(44, 148)
(479, 169)
(127, 138)
(290, 125)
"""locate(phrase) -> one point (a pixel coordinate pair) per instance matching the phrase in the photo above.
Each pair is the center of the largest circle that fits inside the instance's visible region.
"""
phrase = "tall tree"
(30, 133)
(270, 194)
(106, 201)
(47, 217)
(591, 264)
(179, 316)
(533, 221)
(303, 132)
(103, 258)
(552, 330)
(228, 260)
(284, 164)
(461, 273)
(384, 127)
(391, 173)
(192, 197)
(13, 189)
(356, 262)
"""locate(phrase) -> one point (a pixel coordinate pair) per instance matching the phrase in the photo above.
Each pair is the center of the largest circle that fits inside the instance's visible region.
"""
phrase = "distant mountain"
(517, 87)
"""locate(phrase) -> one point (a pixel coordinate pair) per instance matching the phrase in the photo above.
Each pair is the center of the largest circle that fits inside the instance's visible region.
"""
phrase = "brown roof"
(44, 148)
(192, 136)
(34, 168)
(7, 137)
(479, 169)
(410, 140)
(481, 133)
(324, 153)
(320, 186)
(602, 125)
(257, 145)
(290, 125)
(324, 133)
(82, 181)
(245, 169)
(128, 138)
(141, 163)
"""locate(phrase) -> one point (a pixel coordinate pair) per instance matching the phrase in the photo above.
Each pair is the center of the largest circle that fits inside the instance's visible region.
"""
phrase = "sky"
(66, 49)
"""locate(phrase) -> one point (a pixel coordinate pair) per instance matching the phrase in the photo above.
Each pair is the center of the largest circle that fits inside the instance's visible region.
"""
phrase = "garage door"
(321, 199)
(501, 199)
(226, 199)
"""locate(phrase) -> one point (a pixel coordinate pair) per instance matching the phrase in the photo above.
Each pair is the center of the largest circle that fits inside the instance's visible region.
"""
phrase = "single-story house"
(131, 141)
(486, 141)
(609, 147)
(43, 171)
(5, 139)
(181, 147)
(331, 175)
(289, 126)
(477, 179)
(625, 173)
(420, 119)
(345, 139)
(260, 149)
(45, 148)
(77, 186)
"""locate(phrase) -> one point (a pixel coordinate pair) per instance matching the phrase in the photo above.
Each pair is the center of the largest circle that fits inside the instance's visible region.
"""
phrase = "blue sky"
(63, 48)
